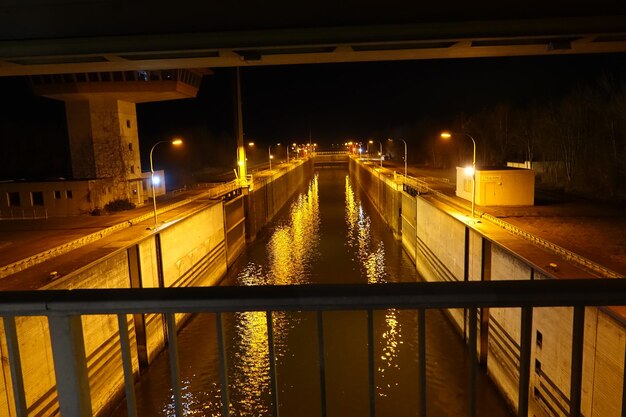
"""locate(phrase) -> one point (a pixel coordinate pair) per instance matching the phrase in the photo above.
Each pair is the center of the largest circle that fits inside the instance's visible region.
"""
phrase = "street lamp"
(405, 154)
(269, 153)
(468, 171)
(175, 142)
(243, 162)
(381, 151)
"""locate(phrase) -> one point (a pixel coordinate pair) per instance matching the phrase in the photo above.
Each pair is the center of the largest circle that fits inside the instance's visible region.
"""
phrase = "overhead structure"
(102, 123)
(55, 37)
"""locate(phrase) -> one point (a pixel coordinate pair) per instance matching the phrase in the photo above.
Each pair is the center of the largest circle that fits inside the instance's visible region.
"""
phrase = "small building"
(498, 186)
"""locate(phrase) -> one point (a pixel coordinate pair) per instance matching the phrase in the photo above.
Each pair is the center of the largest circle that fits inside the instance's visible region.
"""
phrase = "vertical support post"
(241, 150)
(15, 364)
(466, 265)
(526, 329)
(272, 357)
(472, 361)
(371, 364)
(578, 333)
(421, 346)
(160, 274)
(221, 347)
(484, 311)
(172, 342)
(624, 388)
(127, 364)
(134, 270)
(322, 362)
(70, 365)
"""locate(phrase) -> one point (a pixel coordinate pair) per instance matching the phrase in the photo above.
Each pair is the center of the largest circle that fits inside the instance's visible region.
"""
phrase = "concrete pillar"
(104, 143)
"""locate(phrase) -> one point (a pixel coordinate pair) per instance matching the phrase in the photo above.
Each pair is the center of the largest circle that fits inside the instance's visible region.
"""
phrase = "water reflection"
(324, 236)
(372, 260)
(292, 247)
(249, 364)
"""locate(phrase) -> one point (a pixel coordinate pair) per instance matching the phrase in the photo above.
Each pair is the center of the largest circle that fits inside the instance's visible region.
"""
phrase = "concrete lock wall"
(444, 249)
(382, 191)
(193, 251)
(270, 193)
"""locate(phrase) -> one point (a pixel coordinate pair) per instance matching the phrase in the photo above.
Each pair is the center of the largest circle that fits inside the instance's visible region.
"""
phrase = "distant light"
(446, 135)
(240, 163)
(371, 141)
(469, 171)
(177, 142)
(315, 144)
(271, 156)
(360, 150)
(250, 143)
(156, 180)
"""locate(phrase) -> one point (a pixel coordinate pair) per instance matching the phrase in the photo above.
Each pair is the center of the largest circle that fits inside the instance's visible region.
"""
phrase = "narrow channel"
(329, 233)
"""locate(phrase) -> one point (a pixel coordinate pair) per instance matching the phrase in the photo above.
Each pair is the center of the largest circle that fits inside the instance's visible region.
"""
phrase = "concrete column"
(104, 143)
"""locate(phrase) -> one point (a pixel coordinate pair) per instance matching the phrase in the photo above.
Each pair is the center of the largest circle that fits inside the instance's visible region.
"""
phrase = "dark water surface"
(328, 234)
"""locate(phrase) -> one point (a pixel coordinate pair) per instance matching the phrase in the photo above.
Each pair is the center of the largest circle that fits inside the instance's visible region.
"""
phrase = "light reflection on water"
(324, 236)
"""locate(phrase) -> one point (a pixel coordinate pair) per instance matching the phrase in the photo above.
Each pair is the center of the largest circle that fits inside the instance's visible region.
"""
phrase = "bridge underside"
(44, 52)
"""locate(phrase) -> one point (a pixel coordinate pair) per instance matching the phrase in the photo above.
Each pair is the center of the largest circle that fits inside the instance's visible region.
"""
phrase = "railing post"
(172, 342)
(578, 333)
(221, 347)
(15, 365)
(70, 365)
(272, 357)
(371, 364)
(421, 346)
(322, 362)
(526, 328)
(472, 361)
(624, 387)
(127, 364)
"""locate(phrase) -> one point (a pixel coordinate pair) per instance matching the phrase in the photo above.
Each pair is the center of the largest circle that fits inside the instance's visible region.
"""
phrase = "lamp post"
(175, 142)
(243, 163)
(448, 135)
(405, 155)
(381, 151)
(269, 153)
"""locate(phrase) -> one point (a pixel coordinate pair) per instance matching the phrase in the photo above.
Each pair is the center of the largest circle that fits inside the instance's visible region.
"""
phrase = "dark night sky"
(336, 101)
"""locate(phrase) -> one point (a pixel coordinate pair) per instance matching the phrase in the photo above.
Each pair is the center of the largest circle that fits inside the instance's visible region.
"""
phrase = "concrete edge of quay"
(40, 257)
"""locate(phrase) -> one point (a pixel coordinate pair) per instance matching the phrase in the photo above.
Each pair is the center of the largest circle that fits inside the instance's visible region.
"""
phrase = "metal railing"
(64, 309)
(22, 214)
(421, 187)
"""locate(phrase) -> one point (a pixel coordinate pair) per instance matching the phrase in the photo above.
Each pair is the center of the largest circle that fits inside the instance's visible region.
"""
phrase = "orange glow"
(177, 142)
(446, 135)
(250, 143)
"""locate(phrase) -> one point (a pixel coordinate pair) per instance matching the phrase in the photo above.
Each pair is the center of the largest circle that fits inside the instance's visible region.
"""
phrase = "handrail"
(537, 293)
(64, 309)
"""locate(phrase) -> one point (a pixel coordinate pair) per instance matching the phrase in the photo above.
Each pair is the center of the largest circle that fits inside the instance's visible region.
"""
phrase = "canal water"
(329, 233)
